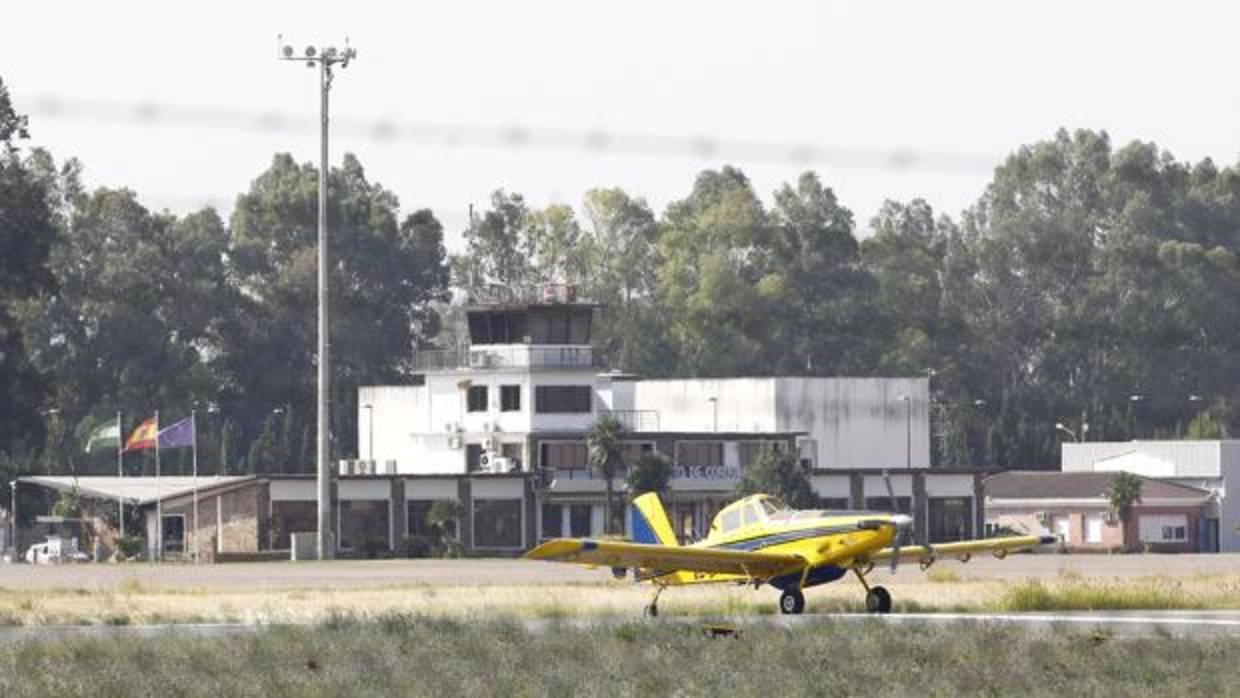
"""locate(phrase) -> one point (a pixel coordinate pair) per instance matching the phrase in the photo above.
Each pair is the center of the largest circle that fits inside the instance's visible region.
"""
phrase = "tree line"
(1088, 284)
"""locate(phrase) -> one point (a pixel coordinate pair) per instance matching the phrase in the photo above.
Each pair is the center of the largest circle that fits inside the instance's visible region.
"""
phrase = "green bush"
(129, 546)
(374, 548)
(417, 546)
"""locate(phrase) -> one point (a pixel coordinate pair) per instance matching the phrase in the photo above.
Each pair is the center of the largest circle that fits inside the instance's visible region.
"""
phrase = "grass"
(407, 654)
(945, 590)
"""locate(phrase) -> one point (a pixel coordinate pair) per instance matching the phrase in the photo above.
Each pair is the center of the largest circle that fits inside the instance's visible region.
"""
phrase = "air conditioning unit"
(1044, 518)
(484, 461)
(488, 444)
(344, 467)
(454, 442)
(501, 465)
(389, 467)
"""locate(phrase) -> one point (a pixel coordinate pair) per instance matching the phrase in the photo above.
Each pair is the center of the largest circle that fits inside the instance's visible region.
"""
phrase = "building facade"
(1075, 508)
(1211, 465)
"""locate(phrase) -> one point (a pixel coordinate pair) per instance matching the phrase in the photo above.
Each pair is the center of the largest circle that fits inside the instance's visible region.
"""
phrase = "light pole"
(908, 431)
(370, 440)
(13, 519)
(214, 410)
(1132, 412)
(1059, 426)
(324, 58)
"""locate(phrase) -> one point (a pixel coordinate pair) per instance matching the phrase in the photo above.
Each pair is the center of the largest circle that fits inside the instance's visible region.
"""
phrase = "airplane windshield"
(772, 506)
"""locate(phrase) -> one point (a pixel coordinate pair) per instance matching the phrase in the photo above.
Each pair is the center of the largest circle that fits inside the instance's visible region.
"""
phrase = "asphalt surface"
(1109, 624)
(355, 574)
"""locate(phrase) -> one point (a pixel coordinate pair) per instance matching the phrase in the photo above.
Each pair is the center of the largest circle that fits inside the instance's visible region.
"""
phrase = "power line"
(518, 137)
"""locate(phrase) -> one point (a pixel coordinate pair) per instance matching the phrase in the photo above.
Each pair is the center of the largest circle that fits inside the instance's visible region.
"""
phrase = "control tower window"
(551, 399)
(476, 398)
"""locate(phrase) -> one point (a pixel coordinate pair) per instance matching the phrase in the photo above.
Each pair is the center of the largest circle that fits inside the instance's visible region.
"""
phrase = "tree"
(651, 472)
(605, 441)
(386, 275)
(779, 474)
(1123, 492)
(27, 232)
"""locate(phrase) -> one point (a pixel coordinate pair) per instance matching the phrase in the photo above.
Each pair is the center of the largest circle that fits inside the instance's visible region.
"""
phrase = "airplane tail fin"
(648, 521)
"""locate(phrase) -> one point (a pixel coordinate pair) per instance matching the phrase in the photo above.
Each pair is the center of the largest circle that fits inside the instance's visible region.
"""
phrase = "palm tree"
(1123, 492)
(606, 444)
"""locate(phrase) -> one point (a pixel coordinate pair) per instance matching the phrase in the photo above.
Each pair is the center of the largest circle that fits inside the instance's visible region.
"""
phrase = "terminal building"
(499, 427)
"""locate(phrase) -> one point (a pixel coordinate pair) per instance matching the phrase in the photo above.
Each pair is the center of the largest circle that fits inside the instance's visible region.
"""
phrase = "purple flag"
(177, 435)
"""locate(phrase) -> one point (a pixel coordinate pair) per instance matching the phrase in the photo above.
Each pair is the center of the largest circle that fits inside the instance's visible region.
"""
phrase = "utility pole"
(323, 58)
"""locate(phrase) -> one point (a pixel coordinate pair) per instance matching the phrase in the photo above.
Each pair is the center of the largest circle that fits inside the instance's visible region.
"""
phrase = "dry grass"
(408, 655)
(136, 603)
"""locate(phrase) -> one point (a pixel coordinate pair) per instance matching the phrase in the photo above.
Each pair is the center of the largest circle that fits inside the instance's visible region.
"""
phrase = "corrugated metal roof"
(134, 490)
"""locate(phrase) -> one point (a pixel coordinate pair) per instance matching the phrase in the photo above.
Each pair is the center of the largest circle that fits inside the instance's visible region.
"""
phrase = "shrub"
(374, 548)
(417, 546)
(129, 546)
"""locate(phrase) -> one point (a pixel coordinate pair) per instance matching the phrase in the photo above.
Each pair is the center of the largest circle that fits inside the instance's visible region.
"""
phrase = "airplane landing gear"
(652, 611)
(877, 600)
(792, 601)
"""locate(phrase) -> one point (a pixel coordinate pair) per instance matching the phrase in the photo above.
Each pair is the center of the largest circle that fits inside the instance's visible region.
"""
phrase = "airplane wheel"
(878, 600)
(651, 611)
(791, 601)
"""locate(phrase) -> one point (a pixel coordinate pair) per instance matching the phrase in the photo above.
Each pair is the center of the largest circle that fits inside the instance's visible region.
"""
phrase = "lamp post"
(1059, 426)
(908, 431)
(1132, 413)
(370, 439)
(221, 458)
(13, 519)
(324, 58)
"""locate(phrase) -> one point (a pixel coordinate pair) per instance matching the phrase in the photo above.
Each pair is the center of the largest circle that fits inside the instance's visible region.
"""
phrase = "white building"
(1209, 465)
(506, 417)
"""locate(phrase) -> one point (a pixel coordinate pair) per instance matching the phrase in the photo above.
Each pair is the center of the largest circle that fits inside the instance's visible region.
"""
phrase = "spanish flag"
(144, 436)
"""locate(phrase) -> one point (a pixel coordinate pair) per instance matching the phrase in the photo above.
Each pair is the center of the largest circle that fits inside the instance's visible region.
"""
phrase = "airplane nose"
(902, 521)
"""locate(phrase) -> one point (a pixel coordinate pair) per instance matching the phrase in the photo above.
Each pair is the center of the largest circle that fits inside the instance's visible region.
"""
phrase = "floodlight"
(288, 51)
(329, 52)
(309, 52)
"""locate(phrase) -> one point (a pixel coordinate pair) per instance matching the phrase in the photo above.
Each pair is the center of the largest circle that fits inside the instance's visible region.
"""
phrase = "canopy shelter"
(132, 490)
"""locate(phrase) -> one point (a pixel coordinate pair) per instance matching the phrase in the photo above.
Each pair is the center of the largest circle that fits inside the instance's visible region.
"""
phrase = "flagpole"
(120, 472)
(159, 500)
(193, 431)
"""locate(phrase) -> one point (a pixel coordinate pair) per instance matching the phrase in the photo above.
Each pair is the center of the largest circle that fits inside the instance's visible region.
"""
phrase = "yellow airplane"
(757, 540)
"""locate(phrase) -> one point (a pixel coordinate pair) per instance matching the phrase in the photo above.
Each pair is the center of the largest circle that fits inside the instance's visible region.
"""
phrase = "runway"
(1133, 624)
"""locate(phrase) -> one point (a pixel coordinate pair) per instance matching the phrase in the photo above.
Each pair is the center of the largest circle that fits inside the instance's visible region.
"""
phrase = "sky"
(961, 83)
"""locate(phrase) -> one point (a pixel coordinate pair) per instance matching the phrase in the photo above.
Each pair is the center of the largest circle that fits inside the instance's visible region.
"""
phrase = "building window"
(699, 453)
(579, 520)
(364, 524)
(497, 523)
(510, 398)
(552, 520)
(633, 450)
(748, 452)
(564, 455)
(562, 399)
(473, 457)
(1093, 528)
(512, 452)
(476, 398)
(1166, 528)
(174, 533)
(950, 519)
(904, 505)
(289, 517)
(416, 512)
(834, 503)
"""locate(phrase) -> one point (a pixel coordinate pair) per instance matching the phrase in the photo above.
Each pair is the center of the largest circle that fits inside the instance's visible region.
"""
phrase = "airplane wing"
(963, 550)
(666, 558)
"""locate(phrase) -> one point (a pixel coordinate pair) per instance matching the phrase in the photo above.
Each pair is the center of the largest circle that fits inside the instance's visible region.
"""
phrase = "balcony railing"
(635, 420)
(508, 357)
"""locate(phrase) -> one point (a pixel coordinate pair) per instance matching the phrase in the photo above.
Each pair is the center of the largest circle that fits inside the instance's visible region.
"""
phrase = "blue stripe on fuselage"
(817, 575)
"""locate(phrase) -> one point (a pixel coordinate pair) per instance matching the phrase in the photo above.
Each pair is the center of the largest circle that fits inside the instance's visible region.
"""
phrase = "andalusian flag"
(144, 436)
(106, 435)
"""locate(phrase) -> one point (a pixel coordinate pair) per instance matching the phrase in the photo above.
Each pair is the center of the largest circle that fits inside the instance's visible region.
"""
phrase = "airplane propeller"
(891, 495)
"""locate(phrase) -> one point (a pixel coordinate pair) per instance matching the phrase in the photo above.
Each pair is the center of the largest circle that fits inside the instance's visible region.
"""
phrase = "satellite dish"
(288, 51)
(309, 52)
